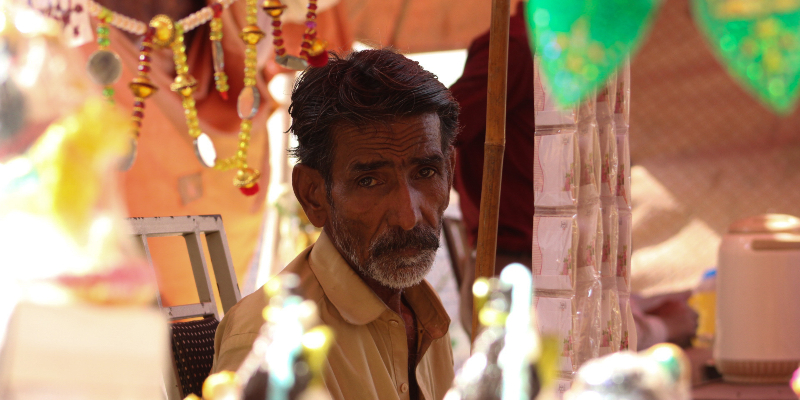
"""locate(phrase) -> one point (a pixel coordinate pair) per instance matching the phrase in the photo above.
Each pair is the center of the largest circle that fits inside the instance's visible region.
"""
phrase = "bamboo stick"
(494, 146)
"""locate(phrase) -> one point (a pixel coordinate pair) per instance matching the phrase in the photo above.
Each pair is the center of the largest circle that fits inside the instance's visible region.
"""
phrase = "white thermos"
(758, 300)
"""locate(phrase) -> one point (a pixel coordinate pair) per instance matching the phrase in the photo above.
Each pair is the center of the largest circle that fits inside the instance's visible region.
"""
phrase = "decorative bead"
(277, 32)
(138, 113)
(144, 68)
(280, 52)
(311, 15)
(104, 67)
(103, 42)
(319, 60)
(164, 30)
(144, 58)
(108, 91)
(250, 191)
(312, 6)
(217, 8)
(311, 24)
(142, 87)
(138, 104)
(251, 34)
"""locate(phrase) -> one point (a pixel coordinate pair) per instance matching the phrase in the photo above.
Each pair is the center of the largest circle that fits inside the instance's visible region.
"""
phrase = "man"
(375, 168)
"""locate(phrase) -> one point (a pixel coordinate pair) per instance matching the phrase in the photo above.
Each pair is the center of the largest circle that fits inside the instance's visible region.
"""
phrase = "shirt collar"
(358, 304)
(354, 300)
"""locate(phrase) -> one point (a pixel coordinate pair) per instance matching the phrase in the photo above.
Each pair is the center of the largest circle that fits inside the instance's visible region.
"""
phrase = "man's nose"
(407, 213)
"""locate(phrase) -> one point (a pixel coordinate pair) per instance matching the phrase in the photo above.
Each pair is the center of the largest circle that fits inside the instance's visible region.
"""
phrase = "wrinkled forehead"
(402, 138)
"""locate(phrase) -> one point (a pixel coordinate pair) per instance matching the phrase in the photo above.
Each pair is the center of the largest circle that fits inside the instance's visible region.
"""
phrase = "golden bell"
(246, 178)
(251, 34)
(142, 87)
(318, 46)
(165, 30)
(273, 7)
(183, 84)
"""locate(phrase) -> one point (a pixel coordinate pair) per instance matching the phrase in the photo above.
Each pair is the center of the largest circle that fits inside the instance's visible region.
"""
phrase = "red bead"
(144, 68)
(217, 9)
(278, 42)
(306, 45)
(318, 60)
(138, 113)
(138, 123)
(249, 191)
(280, 52)
(224, 95)
(138, 104)
(307, 36)
(311, 15)
(276, 23)
(303, 53)
(312, 6)
(277, 32)
(144, 57)
(149, 33)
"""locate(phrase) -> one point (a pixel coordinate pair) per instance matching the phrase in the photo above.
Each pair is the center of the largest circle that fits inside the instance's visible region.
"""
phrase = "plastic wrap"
(622, 194)
(555, 163)
(569, 229)
(555, 249)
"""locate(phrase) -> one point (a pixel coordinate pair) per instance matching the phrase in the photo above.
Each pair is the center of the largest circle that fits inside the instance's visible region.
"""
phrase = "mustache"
(396, 239)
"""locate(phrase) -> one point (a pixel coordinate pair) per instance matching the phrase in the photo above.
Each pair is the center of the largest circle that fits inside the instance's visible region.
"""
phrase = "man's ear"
(309, 188)
(451, 165)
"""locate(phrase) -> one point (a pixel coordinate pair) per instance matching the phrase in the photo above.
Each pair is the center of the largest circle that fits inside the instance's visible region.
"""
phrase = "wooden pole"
(494, 146)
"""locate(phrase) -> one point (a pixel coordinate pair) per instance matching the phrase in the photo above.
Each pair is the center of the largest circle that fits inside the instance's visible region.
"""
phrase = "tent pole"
(494, 146)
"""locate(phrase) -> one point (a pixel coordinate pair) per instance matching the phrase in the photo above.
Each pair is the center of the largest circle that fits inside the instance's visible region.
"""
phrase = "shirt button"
(403, 388)
(394, 323)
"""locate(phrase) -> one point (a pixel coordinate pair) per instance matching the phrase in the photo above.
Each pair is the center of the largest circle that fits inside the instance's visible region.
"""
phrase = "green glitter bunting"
(759, 43)
(581, 42)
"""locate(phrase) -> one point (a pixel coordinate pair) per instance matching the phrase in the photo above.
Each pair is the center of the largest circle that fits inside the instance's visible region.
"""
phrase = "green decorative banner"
(581, 42)
(759, 43)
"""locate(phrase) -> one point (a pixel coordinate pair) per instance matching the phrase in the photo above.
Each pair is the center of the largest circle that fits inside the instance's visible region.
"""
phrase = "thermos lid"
(767, 223)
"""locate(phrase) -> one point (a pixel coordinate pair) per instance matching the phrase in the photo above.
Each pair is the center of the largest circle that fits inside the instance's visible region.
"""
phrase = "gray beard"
(395, 272)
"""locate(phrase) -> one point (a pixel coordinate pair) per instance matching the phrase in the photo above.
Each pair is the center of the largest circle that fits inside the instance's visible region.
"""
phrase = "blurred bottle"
(704, 301)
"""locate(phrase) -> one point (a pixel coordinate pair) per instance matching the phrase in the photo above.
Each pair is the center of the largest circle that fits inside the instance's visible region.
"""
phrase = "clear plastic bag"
(555, 166)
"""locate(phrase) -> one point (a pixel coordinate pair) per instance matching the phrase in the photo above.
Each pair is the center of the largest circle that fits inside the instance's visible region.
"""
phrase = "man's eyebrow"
(432, 159)
(369, 166)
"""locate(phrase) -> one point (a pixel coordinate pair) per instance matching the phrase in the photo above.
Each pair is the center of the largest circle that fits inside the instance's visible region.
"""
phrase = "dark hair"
(366, 88)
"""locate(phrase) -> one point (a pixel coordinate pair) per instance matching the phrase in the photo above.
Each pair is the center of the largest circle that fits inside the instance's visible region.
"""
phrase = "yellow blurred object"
(547, 366)
(673, 360)
(705, 304)
(223, 385)
(72, 158)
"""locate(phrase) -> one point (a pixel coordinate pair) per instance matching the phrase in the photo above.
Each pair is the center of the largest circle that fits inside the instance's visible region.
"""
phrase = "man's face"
(389, 187)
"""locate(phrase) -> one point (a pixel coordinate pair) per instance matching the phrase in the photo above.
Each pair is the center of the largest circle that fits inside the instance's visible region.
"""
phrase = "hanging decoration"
(247, 105)
(162, 32)
(220, 78)
(759, 44)
(580, 43)
(313, 50)
(142, 88)
(104, 65)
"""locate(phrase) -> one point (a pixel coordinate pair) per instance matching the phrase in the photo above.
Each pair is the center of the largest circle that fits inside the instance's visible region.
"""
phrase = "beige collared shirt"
(370, 355)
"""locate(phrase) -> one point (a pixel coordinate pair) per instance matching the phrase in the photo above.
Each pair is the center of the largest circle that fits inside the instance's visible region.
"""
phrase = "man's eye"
(427, 172)
(367, 182)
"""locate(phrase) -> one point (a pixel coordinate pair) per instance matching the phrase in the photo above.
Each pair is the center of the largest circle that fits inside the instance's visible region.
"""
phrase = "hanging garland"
(161, 32)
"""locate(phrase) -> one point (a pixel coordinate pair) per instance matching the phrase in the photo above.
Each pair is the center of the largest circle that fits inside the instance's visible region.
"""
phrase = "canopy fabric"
(705, 154)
